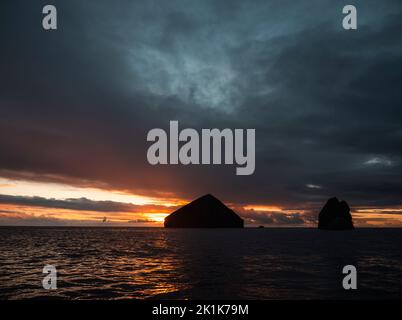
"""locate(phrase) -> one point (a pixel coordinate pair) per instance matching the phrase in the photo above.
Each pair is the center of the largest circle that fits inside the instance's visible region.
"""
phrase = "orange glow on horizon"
(63, 191)
(150, 211)
(28, 213)
(263, 208)
(157, 217)
(10, 213)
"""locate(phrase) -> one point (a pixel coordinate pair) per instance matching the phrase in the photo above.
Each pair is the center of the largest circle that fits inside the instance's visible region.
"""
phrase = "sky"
(76, 105)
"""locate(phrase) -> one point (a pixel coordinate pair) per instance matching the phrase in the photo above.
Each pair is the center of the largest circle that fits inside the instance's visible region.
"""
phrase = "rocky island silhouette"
(204, 212)
(335, 215)
(209, 212)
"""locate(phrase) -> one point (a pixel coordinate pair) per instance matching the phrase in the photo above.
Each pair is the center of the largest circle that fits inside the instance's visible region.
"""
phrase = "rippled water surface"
(116, 263)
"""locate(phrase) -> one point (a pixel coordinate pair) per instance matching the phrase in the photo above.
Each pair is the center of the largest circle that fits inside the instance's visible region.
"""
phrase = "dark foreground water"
(115, 263)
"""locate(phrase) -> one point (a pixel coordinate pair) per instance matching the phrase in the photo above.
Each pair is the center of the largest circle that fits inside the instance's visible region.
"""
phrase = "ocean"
(157, 263)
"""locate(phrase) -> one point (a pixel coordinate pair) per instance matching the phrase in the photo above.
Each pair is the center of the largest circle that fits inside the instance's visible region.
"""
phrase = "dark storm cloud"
(77, 103)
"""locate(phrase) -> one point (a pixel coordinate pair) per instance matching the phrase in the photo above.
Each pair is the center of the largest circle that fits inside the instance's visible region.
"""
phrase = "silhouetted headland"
(335, 215)
(204, 212)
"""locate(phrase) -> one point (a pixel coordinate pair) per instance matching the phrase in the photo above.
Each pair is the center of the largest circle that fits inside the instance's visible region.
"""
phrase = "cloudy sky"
(76, 105)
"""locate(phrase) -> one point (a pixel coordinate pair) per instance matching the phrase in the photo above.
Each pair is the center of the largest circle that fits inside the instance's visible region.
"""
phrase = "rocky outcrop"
(204, 212)
(335, 215)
